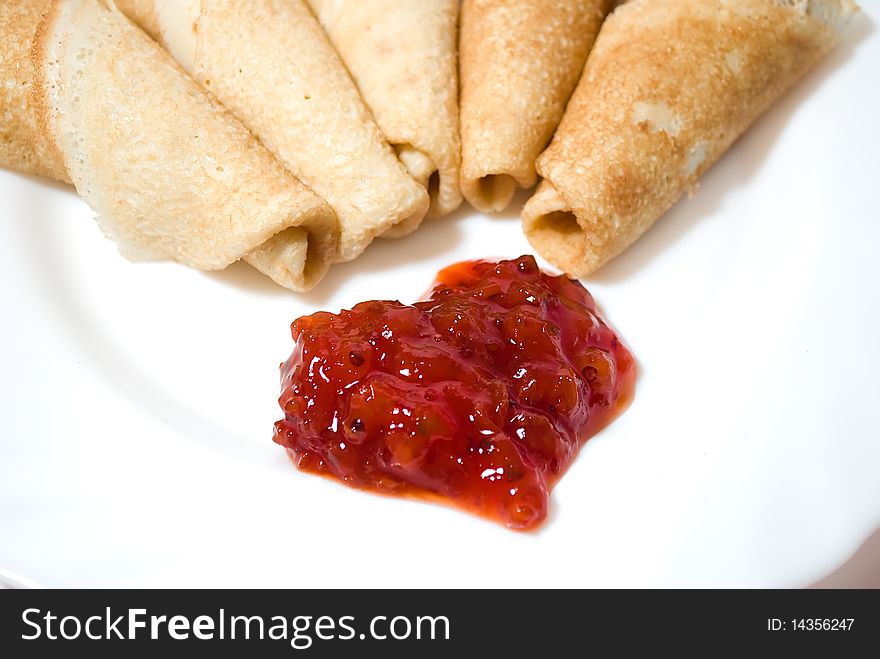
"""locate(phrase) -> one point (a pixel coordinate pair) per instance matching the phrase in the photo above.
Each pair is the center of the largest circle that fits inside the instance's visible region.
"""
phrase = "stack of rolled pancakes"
(290, 134)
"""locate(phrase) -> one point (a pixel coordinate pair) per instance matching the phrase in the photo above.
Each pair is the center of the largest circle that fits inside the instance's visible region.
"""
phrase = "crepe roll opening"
(298, 257)
(284, 256)
(320, 246)
(552, 228)
(424, 170)
(434, 185)
(491, 193)
(557, 223)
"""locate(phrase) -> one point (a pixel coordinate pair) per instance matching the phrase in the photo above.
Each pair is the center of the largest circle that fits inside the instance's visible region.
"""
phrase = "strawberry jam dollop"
(481, 394)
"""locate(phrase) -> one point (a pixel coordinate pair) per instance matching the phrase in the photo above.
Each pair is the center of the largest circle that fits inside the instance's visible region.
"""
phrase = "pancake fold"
(668, 87)
(404, 58)
(520, 62)
(169, 172)
(271, 64)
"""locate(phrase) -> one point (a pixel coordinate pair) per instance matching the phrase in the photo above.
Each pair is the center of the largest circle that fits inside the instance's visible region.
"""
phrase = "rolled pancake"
(669, 86)
(23, 146)
(170, 173)
(271, 64)
(404, 58)
(520, 62)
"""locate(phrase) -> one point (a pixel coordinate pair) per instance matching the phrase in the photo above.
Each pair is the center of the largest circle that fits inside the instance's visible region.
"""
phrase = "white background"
(137, 401)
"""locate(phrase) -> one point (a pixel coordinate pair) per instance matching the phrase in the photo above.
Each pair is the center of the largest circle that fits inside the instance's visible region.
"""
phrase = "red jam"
(481, 394)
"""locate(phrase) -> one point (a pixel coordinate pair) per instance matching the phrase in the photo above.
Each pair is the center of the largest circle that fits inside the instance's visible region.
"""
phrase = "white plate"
(138, 400)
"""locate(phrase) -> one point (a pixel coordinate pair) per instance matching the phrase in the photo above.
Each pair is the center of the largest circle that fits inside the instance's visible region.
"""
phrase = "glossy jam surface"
(482, 394)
